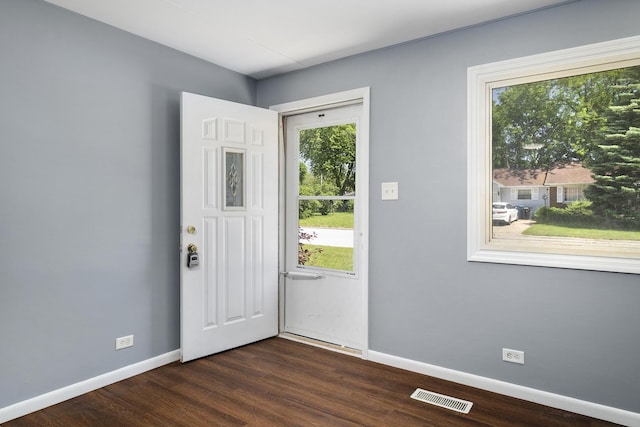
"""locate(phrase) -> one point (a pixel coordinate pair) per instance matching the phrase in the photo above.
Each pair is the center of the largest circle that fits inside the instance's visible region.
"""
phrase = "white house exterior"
(567, 183)
(532, 188)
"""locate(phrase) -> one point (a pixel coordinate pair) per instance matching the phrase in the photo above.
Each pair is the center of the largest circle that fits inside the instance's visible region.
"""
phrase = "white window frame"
(523, 190)
(481, 80)
(573, 190)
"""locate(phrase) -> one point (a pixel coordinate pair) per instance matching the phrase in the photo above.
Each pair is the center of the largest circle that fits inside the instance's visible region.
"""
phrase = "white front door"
(229, 211)
(326, 182)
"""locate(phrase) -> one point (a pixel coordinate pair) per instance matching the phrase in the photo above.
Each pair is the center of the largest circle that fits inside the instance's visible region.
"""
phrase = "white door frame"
(360, 95)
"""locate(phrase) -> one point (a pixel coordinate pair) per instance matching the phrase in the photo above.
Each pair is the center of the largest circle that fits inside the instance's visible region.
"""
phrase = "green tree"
(540, 124)
(310, 185)
(330, 153)
(525, 117)
(616, 160)
(303, 172)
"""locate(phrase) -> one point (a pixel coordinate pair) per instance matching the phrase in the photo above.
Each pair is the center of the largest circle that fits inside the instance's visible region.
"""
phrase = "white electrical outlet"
(124, 342)
(513, 356)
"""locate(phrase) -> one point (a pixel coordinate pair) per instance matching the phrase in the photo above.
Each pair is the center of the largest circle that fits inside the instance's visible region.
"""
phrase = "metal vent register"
(443, 401)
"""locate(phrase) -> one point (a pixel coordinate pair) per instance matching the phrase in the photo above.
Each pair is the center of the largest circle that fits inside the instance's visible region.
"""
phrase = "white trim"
(558, 401)
(535, 193)
(325, 101)
(328, 101)
(480, 82)
(74, 390)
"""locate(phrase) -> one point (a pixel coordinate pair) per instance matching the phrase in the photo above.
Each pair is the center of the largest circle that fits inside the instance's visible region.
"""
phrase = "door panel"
(326, 309)
(324, 290)
(229, 202)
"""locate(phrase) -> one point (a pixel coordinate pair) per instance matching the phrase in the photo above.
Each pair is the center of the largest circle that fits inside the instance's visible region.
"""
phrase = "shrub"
(579, 214)
(305, 254)
(576, 214)
(307, 208)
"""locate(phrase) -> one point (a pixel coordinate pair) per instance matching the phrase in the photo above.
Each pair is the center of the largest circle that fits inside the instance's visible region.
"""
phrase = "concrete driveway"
(513, 231)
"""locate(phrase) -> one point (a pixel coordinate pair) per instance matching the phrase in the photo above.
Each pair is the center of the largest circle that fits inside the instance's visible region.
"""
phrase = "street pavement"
(329, 237)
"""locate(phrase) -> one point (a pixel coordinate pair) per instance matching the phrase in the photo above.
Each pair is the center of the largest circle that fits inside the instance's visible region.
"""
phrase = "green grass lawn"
(585, 233)
(331, 257)
(334, 220)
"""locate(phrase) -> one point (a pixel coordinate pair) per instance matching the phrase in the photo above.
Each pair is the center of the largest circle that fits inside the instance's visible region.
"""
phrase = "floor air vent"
(443, 401)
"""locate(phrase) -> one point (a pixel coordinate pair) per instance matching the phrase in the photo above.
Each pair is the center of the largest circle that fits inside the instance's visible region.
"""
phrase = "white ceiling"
(261, 38)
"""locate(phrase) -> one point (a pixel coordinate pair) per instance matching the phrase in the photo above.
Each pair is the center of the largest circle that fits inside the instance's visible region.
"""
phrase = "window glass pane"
(328, 161)
(575, 142)
(325, 234)
(571, 194)
(566, 126)
(524, 194)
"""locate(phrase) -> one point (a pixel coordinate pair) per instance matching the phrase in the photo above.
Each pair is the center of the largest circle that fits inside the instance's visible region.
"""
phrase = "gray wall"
(579, 329)
(89, 194)
(89, 171)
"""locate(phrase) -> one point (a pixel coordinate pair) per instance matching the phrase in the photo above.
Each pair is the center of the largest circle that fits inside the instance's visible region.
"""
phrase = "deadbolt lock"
(193, 258)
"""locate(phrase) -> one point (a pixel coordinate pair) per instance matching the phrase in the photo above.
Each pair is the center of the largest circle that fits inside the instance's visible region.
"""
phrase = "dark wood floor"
(278, 382)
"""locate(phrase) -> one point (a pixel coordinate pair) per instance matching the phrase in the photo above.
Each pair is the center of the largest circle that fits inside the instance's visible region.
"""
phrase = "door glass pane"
(328, 160)
(325, 240)
(326, 199)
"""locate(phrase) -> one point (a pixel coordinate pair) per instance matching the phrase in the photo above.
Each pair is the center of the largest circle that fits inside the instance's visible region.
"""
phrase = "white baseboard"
(570, 404)
(60, 395)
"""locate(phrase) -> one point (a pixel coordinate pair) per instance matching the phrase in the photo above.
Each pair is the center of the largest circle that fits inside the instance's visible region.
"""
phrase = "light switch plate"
(389, 191)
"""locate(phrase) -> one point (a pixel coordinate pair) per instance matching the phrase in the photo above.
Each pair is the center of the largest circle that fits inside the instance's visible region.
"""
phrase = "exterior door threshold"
(321, 344)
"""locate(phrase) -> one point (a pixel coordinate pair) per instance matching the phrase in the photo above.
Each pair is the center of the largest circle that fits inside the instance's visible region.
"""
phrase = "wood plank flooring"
(278, 382)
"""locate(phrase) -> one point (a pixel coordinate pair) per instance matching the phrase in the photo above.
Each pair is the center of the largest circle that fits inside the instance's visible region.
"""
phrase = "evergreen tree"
(616, 161)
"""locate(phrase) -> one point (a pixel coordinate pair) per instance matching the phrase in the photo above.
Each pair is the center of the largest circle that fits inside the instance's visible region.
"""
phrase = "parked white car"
(504, 212)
